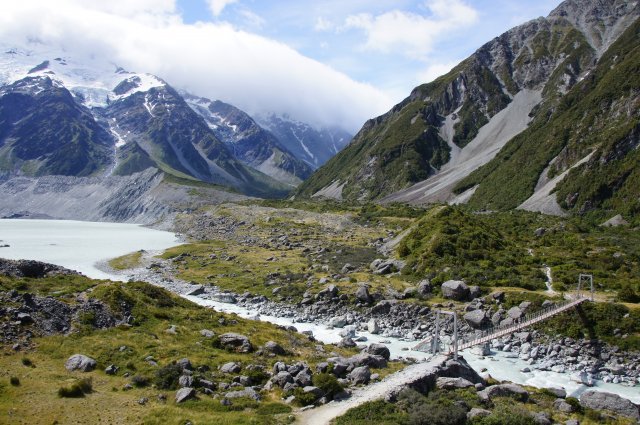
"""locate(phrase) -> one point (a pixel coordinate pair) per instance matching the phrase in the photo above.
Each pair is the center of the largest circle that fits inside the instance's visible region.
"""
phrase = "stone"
(542, 418)
(366, 359)
(207, 333)
(347, 268)
(239, 343)
(482, 350)
(445, 383)
(514, 313)
(504, 390)
(184, 394)
(558, 392)
(274, 347)
(346, 342)
(338, 322)
(303, 378)
(373, 326)
(477, 319)
(383, 307)
(455, 290)
(317, 392)
(196, 290)
(246, 393)
(474, 292)
(80, 362)
(362, 294)
(477, 413)
(360, 375)
(111, 369)
(424, 288)
(378, 350)
(615, 221)
(185, 381)
(185, 364)
(282, 378)
(561, 405)
(600, 400)
(204, 383)
(231, 367)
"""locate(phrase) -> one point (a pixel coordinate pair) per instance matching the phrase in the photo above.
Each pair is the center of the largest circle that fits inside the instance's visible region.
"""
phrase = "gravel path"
(324, 414)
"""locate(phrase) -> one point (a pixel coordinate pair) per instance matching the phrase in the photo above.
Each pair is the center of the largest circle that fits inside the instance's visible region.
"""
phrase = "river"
(83, 246)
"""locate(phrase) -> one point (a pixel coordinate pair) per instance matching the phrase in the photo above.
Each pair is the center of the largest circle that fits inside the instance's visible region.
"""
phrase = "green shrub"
(140, 381)
(327, 383)
(373, 412)
(76, 390)
(167, 377)
(302, 398)
(628, 294)
(27, 362)
(507, 414)
(15, 381)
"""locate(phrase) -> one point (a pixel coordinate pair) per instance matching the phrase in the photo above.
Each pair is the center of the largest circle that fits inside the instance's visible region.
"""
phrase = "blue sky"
(326, 62)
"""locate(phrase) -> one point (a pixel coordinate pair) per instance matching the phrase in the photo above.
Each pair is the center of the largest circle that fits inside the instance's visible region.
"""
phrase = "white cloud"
(412, 34)
(217, 6)
(209, 59)
(436, 70)
(323, 25)
(252, 19)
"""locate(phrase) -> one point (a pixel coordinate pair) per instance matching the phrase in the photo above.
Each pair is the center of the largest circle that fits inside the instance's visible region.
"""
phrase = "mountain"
(555, 97)
(249, 142)
(61, 117)
(313, 146)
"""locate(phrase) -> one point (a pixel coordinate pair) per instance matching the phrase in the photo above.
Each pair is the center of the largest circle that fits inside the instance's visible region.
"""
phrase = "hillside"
(502, 113)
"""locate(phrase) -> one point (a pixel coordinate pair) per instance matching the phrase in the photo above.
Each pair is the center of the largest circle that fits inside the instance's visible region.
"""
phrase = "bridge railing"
(497, 331)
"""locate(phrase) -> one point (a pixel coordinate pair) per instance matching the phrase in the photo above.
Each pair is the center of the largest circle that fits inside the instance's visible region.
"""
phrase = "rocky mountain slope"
(313, 146)
(249, 142)
(523, 109)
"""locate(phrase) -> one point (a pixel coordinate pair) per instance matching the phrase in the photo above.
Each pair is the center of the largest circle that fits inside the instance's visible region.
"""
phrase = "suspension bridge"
(432, 345)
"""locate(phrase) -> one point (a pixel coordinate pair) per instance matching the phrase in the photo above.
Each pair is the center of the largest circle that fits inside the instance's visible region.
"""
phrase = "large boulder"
(246, 393)
(424, 288)
(455, 290)
(184, 394)
(378, 350)
(360, 375)
(231, 367)
(282, 378)
(362, 295)
(238, 343)
(366, 359)
(606, 401)
(274, 348)
(445, 383)
(80, 362)
(515, 313)
(477, 319)
(504, 390)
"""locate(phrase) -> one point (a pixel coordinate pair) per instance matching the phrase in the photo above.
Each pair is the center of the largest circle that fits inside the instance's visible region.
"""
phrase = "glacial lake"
(78, 245)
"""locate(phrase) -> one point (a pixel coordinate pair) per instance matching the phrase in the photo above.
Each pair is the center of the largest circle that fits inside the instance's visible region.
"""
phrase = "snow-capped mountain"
(313, 146)
(96, 119)
(249, 142)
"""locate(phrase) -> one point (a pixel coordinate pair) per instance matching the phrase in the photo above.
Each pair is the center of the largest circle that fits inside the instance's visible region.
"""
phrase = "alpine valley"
(470, 257)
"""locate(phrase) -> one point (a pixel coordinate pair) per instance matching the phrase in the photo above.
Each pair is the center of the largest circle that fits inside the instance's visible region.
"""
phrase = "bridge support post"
(588, 279)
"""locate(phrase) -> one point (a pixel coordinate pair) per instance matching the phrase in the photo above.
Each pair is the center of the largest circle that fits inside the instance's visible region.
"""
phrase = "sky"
(326, 62)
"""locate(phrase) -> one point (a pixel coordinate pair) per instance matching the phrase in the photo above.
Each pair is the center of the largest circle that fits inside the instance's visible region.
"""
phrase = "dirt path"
(324, 414)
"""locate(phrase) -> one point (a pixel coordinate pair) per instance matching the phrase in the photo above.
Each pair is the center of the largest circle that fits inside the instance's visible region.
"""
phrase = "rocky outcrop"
(236, 342)
(455, 290)
(81, 363)
(606, 401)
(32, 269)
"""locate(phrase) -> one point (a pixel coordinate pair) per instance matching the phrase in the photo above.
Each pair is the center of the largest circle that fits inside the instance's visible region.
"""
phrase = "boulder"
(445, 383)
(542, 418)
(185, 364)
(246, 393)
(231, 367)
(558, 392)
(338, 322)
(184, 394)
(282, 378)
(330, 291)
(383, 307)
(207, 333)
(362, 295)
(80, 362)
(366, 359)
(239, 343)
(360, 375)
(373, 326)
(606, 401)
(275, 348)
(455, 290)
(477, 413)
(317, 392)
(515, 313)
(615, 221)
(111, 369)
(504, 390)
(303, 378)
(378, 350)
(424, 288)
(185, 381)
(477, 319)
(561, 405)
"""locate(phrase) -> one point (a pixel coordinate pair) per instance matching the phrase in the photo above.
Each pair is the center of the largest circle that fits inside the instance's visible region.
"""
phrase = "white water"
(82, 245)
(78, 245)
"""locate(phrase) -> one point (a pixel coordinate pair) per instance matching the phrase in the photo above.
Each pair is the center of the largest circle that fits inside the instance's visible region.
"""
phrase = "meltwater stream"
(82, 246)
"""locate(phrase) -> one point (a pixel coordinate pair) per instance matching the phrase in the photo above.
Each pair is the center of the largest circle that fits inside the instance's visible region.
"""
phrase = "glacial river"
(83, 246)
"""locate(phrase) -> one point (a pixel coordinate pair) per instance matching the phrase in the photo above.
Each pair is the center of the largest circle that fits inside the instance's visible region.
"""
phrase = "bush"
(167, 377)
(507, 415)
(302, 398)
(628, 294)
(257, 376)
(77, 390)
(15, 381)
(27, 362)
(140, 381)
(327, 383)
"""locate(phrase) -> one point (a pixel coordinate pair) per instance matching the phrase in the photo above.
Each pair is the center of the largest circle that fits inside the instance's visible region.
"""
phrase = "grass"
(128, 261)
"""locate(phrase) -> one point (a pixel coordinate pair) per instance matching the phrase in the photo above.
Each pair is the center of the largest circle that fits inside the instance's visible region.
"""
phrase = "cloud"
(323, 25)
(217, 6)
(436, 70)
(214, 60)
(411, 34)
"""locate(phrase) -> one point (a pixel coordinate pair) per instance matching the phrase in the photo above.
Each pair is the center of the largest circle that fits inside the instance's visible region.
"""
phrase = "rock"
(373, 326)
(542, 418)
(383, 307)
(111, 369)
(424, 288)
(572, 422)
(445, 383)
(606, 401)
(360, 375)
(247, 392)
(540, 231)
(196, 290)
(455, 290)
(184, 394)
(558, 392)
(514, 313)
(477, 319)
(474, 292)
(303, 378)
(477, 413)
(274, 347)
(207, 333)
(378, 350)
(239, 343)
(337, 322)
(185, 381)
(482, 350)
(282, 378)
(185, 364)
(504, 390)
(347, 268)
(231, 367)
(173, 330)
(362, 295)
(366, 359)
(615, 221)
(204, 383)
(330, 291)
(80, 362)
(317, 392)
(346, 342)
(561, 405)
